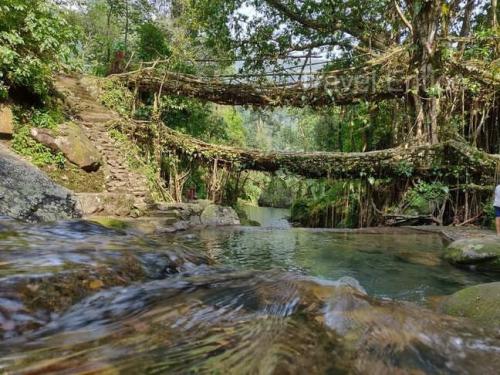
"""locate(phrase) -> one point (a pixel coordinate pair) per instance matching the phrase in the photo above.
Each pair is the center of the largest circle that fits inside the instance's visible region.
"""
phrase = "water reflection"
(269, 217)
(400, 266)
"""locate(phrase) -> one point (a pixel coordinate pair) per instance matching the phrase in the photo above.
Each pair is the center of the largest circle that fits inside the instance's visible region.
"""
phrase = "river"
(77, 298)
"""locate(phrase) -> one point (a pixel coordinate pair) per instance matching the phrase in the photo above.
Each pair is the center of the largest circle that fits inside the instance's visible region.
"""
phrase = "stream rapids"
(79, 298)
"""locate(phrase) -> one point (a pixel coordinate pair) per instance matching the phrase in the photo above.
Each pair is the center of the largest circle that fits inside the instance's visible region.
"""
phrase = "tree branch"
(328, 27)
(402, 16)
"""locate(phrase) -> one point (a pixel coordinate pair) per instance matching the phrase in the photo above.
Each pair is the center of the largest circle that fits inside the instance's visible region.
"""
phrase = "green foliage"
(204, 121)
(404, 169)
(428, 191)
(107, 27)
(48, 119)
(35, 40)
(278, 193)
(152, 43)
(325, 203)
(489, 216)
(426, 198)
(116, 97)
(222, 26)
(360, 127)
(484, 46)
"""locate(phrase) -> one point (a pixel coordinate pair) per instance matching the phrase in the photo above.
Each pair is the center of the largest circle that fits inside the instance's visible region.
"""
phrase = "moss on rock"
(482, 253)
(110, 222)
(480, 303)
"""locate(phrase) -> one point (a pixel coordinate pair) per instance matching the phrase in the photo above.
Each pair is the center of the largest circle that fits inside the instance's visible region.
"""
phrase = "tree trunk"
(426, 66)
(126, 26)
(108, 33)
(466, 23)
(494, 13)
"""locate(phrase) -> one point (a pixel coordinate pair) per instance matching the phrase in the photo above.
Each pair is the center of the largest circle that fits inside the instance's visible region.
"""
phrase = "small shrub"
(116, 97)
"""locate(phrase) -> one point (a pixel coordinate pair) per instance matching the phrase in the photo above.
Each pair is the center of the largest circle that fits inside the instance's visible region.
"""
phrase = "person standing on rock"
(496, 205)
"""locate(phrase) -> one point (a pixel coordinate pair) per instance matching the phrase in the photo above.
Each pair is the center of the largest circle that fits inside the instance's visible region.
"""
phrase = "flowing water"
(77, 298)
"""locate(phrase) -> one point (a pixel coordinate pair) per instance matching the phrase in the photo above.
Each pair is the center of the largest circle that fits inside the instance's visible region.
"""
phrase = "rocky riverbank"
(28, 194)
(164, 218)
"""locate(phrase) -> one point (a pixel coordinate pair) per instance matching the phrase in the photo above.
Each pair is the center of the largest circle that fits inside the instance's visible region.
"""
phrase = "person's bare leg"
(498, 225)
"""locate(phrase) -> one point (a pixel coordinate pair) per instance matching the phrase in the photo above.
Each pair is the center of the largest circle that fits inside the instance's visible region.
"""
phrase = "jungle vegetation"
(346, 76)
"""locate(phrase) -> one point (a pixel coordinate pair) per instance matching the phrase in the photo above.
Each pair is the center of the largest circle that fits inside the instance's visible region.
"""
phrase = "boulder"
(6, 121)
(26, 193)
(71, 141)
(479, 253)
(219, 216)
(480, 303)
(105, 204)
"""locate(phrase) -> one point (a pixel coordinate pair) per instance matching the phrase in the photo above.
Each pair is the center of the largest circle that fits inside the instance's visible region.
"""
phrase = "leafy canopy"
(35, 39)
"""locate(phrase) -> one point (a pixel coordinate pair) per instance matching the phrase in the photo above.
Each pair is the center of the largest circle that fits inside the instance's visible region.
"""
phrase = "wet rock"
(105, 204)
(174, 217)
(219, 216)
(480, 303)
(60, 291)
(279, 323)
(26, 193)
(478, 253)
(111, 222)
(29, 300)
(6, 121)
(71, 141)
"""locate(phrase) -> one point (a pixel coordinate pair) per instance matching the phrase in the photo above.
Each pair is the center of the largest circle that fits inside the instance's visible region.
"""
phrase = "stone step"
(92, 117)
(96, 117)
(169, 216)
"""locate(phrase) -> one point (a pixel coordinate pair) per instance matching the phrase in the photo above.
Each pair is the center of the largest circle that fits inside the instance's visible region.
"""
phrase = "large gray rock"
(105, 204)
(480, 253)
(71, 141)
(26, 193)
(219, 216)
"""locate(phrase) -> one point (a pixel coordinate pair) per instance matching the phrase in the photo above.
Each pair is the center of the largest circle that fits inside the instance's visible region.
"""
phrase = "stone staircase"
(93, 119)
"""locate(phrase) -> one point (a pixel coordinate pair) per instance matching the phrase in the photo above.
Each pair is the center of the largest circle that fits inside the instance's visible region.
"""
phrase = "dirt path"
(94, 118)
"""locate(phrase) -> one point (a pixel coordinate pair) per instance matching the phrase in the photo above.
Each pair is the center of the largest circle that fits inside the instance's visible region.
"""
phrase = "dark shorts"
(497, 211)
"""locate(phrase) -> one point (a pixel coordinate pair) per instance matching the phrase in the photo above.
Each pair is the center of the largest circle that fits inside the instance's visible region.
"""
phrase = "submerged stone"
(480, 303)
(481, 253)
(110, 222)
(247, 322)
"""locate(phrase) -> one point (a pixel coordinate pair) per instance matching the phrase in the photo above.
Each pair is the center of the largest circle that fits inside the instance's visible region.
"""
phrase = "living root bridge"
(320, 94)
(418, 161)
